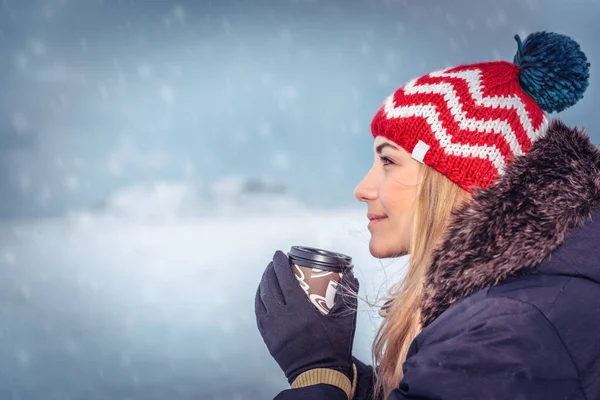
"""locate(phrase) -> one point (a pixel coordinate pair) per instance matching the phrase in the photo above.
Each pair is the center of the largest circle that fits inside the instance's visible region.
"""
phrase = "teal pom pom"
(554, 70)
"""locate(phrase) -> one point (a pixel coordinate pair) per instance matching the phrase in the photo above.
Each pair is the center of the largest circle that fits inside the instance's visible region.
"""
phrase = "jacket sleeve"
(365, 383)
(497, 348)
(321, 391)
(364, 388)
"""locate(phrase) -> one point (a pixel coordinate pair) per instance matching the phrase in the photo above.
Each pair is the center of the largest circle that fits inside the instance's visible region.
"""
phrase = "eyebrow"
(384, 145)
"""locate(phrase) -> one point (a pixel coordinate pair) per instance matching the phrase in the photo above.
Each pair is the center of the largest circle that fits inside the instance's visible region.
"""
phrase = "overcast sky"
(100, 95)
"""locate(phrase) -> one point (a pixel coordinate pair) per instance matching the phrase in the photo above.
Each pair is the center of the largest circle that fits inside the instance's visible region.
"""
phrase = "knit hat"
(468, 122)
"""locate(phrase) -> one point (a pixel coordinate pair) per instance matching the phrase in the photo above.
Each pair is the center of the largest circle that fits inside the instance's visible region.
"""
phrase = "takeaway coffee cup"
(319, 272)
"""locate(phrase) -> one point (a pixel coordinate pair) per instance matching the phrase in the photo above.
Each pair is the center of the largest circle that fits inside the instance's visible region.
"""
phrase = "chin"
(382, 251)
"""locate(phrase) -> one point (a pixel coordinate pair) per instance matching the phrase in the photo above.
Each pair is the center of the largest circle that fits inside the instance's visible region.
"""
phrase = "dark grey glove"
(297, 335)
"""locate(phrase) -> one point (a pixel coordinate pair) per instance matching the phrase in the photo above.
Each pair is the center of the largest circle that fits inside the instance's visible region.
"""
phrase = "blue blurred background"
(155, 153)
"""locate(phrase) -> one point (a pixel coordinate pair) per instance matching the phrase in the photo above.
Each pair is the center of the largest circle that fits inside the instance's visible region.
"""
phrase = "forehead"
(398, 150)
(381, 139)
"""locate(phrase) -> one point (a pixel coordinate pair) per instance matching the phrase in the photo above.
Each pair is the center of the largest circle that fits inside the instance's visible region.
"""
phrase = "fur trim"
(509, 228)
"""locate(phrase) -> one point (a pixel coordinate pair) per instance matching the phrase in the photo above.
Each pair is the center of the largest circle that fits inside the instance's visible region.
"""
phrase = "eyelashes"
(386, 161)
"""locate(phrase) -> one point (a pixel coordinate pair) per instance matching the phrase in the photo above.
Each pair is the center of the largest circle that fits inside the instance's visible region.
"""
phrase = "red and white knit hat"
(468, 122)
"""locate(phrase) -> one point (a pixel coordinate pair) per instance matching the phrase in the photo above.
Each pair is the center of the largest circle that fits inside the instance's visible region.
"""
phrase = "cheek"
(397, 199)
(387, 196)
(398, 202)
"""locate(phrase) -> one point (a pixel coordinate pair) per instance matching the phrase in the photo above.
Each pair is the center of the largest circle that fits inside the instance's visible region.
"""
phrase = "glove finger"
(346, 296)
(288, 283)
(259, 310)
(274, 286)
(349, 283)
(270, 293)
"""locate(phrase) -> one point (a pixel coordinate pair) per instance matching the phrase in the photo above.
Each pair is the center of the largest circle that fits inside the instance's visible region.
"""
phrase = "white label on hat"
(419, 151)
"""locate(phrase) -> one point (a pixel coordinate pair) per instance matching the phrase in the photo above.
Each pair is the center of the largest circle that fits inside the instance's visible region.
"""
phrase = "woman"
(499, 212)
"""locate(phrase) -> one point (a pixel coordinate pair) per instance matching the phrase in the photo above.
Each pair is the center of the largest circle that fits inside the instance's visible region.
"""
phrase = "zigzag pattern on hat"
(469, 122)
(474, 118)
(474, 83)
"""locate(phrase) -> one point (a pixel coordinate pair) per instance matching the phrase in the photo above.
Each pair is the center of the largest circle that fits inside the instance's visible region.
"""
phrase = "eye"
(386, 161)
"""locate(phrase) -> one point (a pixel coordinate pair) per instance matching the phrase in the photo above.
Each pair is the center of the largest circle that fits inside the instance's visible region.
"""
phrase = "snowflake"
(179, 13)
(38, 48)
(24, 182)
(281, 161)
(25, 292)
(72, 183)
(22, 356)
(19, 122)
(9, 257)
(21, 60)
(145, 71)
(167, 94)
(264, 129)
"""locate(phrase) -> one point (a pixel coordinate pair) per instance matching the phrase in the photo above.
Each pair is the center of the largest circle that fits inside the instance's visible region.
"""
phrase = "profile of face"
(390, 191)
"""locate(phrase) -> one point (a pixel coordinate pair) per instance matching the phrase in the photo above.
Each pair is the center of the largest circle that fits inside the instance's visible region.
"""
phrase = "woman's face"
(390, 191)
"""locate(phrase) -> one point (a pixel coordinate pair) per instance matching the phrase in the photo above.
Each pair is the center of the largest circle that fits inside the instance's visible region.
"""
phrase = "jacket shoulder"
(568, 304)
(489, 345)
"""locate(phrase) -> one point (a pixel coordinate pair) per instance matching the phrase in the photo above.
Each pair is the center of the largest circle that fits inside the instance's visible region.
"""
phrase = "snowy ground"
(100, 307)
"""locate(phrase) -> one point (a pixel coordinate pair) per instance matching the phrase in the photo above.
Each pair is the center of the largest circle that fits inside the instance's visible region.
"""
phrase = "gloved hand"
(297, 335)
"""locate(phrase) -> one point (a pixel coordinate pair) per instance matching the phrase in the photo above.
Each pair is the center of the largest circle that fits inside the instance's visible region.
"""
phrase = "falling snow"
(154, 156)
(167, 94)
(20, 123)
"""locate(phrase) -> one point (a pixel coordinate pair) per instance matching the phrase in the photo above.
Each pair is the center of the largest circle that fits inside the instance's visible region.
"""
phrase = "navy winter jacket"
(512, 297)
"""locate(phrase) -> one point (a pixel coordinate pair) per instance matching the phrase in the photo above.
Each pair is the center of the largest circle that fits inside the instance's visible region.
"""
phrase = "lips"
(375, 219)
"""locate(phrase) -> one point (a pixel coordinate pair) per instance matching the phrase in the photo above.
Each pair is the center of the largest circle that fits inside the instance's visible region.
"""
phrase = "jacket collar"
(509, 228)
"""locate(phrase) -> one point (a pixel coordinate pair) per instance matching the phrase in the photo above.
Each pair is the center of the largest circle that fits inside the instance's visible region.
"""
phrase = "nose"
(366, 190)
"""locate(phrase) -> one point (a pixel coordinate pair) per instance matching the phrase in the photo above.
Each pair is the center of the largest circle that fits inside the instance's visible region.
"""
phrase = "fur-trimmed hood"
(510, 228)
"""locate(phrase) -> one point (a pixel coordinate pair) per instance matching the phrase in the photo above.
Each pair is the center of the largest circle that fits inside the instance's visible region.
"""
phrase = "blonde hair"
(437, 198)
